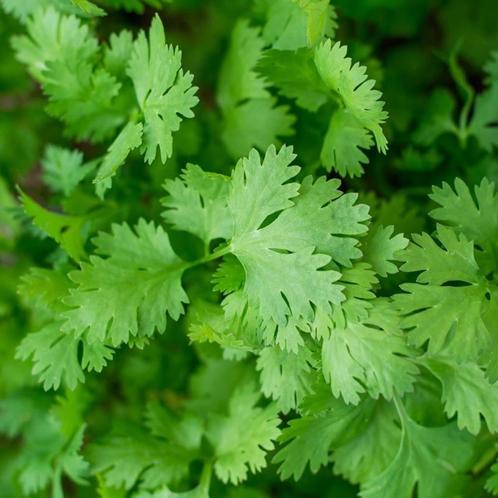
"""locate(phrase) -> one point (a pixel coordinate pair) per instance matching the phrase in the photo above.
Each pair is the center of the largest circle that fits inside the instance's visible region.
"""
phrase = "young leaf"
(238, 451)
(129, 288)
(164, 92)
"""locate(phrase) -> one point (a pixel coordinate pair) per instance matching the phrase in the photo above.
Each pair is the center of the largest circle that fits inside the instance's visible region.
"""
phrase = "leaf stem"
(209, 257)
(205, 480)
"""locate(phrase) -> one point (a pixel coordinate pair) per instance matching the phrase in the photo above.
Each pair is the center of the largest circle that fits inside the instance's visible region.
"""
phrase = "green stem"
(209, 257)
(484, 462)
(205, 480)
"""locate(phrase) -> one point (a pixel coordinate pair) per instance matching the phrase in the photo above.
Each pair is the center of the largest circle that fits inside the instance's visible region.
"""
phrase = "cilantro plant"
(248, 249)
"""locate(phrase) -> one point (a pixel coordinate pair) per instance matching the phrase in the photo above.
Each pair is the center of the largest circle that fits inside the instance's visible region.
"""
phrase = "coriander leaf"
(453, 260)
(53, 37)
(432, 310)
(164, 92)
(255, 123)
(285, 377)
(43, 289)
(136, 456)
(88, 8)
(322, 217)
(492, 482)
(250, 117)
(47, 454)
(295, 75)
(242, 436)
(381, 249)
(117, 52)
(197, 203)
(61, 54)
(309, 440)
(435, 315)
(128, 139)
(475, 216)
(65, 230)
(55, 356)
(260, 189)
(371, 356)
(358, 282)
(200, 491)
(483, 122)
(466, 392)
(129, 289)
(381, 436)
(350, 84)
(438, 118)
(63, 169)
(431, 459)
(270, 255)
(344, 144)
(293, 24)
(238, 79)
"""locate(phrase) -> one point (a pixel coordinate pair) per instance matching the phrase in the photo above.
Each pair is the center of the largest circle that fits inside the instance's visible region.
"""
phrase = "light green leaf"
(350, 84)
(295, 75)
(128, 139)
(382, 250)
(292, 24)
(63, 169)
(164, 92)
(344, 144)
(432, 459)
(129, 289)
(285, 377)
(66, 230)
(466, 393)
(239, 451)
(197, 203)
(371, 357)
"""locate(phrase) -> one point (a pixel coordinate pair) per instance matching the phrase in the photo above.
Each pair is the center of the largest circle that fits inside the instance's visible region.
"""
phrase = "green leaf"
(61, 54)
(125, 459)
(292, 24)
(250, 115)
(483, 122)
(432, 307)
(255, 123)
(164, 92)
(129, 288)
(47, 455)
(466, 393)
(285, 377)
(239, 451)
(295, 75)
(66, 230)
(55, 356)
(370, 357)
(309, 440)
(117, 52)
(128, 139)
(238, 80)
(89, 8)
(474, 214)
(63, 169)
(380, 437)
(492, 482)
(437, 118)
(279, 253)
(197, 203)
(349, 83)
(433, 460)
(344, 144)
(381, 249)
